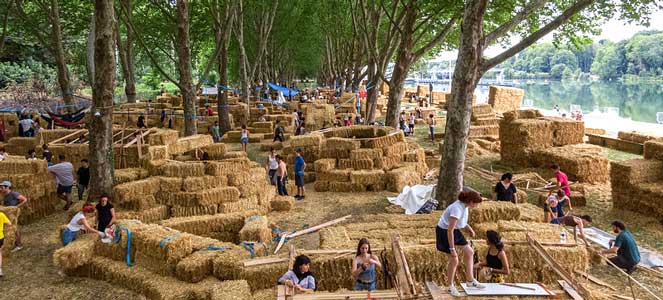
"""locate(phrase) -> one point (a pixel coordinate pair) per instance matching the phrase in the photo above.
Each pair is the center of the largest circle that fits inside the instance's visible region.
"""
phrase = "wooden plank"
(363, 295)
(436, 292)
(629, 277)
(622, 297)
(292, 254)
(266, 261)
(570, 290)
(403, 276)
(549, 244)
(281, 241)
(518, 286)
(595, 280)
(555, 266)
(280, 292)
(140, 135)
(309, 230)
(77, 132)
(322, 252)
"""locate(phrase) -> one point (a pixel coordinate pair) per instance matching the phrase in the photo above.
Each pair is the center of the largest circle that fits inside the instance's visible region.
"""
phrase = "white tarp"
(647, 258)
(496, 289)
(413, 198)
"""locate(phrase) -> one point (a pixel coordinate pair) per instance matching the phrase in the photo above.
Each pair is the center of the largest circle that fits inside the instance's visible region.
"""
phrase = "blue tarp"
(286, 91)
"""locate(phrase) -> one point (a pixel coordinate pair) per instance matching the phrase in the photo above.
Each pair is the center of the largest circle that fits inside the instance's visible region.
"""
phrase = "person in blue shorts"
(300, 165)
(244, 139)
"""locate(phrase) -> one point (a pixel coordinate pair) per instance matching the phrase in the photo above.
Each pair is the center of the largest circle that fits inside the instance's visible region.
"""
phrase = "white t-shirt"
(457, 210)
(273, 163)
(73, 224)
(26, 124)
(411, 118)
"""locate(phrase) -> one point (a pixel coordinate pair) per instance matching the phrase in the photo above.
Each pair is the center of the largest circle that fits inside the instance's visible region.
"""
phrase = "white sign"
(210, 91)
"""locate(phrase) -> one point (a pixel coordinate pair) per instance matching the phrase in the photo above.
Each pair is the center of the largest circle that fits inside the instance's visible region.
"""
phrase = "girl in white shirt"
(449, 238)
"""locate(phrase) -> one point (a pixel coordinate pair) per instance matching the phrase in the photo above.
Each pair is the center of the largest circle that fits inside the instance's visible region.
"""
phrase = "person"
(281, 177)
(550, 208)
(431, 127)
(628, 255)
(105, 213)
(170, 122)
(244, 139)
(64, 175)
(83, 173)
(562, 180)
(338, 123)
(295, 119)
(141, 121)
(216, 135)
(363, 267)
(47, 154)
(505, 190)
(348, 120)
(300, 277)
(359, 103)
(262, 119)
(27, 125)
(272, 165)
(401, 121)
(163, 89)
(300, 166)
(578, 223)
(556, 108)
(411, 120)
(3, 220)
(279, 132)
(3, 154)
(210, 111)
(497, 263)
(32, 155)
(449, 239)
(301, 130)
(162, 117)
(13, 199)
(77, 223)
(37, 128)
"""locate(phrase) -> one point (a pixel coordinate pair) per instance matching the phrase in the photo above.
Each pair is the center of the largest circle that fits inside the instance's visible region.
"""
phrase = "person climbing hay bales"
(449, 238)
(77, 223)
(363, 267)
(497, 263)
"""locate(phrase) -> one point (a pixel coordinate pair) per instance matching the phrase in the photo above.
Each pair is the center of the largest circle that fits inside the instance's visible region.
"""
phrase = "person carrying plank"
(628, 255)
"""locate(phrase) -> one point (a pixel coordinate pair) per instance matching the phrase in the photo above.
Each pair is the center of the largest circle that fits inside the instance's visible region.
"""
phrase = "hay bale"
(163, 137)
(206, 197)
(189, 143)
(282, 203)
(521, 136)
(493, 211)
(595, 131)
(366, 154)
(345, 144)
(356, 164)
(345, 187)
(314, 139)
(383, 141)
(567, 131)
(321, 186)
(582, 162)
(334, 175)
(637, 137)
(368, 177)
(654, 150)
(324, 165)
(136, 195)
(504, 99)
(398, 178)
(256, 229)
(395, 150)
(417, 155)
(130, 174)
(227, 167)
(215, 151)
(76, 254)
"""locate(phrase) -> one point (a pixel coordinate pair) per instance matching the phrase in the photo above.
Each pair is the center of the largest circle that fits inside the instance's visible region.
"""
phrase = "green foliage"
(11, 72)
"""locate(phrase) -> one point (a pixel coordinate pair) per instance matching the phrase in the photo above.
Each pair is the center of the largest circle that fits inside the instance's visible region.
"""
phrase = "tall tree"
(222, 29)
(532, 21)
(101, 124)
(242, 59)
(126, 54)
(425, 27)
(183, 50)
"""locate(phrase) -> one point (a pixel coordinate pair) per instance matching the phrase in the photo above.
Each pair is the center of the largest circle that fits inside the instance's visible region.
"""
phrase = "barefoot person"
(578, 223)
(281, 177)
(300, 277)
(628, 255)
(77, 223)
(363, 267)
(497, 264)
(449, 239)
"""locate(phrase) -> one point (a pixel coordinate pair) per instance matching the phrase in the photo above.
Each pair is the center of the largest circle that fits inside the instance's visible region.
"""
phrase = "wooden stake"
(595, 280)
(77, 132)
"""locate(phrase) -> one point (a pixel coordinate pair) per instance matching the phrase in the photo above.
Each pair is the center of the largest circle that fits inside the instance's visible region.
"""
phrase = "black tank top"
(493, 261)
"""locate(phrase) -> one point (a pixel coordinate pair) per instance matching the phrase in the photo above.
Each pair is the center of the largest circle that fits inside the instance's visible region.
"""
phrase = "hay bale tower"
(504, 99)
(31, 179)
(637, 185)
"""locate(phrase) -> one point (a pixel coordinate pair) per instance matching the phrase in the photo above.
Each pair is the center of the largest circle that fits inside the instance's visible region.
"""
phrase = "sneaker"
(475, 284)
(630, 270)
(17, 248)
(453, 291)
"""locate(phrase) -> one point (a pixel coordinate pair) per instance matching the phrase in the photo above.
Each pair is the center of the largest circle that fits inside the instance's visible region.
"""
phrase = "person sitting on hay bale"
(47, 154)
(559, 199)
(141, 121)
(338, 122)
(3, 220)
(497, 263)
(300, 277)
(363, 267)
(505, 190)
(628, 255)
(576, 222)
(448, 237)
(13, 199)
(32, 155)
(64, 175)
(77, 223)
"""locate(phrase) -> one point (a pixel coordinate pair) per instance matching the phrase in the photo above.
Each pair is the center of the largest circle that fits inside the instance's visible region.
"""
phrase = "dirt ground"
(30, 273)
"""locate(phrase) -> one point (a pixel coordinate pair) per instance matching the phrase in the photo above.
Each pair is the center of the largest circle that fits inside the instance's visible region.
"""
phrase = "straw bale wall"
(638, 137)
(581, 162)
(11, 124)
(318, 115)
(637, 185)
(504, 99)
(31, 179)
(654, 150)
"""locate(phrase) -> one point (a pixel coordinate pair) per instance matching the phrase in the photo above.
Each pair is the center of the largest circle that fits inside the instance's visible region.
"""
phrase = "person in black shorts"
(83, 173)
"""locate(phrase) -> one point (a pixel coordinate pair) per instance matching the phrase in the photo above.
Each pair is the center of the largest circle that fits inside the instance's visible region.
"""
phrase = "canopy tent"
(286, 91)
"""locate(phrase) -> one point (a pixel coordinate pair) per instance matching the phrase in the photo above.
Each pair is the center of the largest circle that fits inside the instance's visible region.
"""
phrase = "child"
(245, 137)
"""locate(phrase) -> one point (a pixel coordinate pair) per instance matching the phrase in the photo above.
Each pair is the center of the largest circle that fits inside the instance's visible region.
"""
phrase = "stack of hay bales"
(318, 115)
(360, 158)
(530, 140)
(31, 179)
(21, 145)
(311, 146)
(637, 185)
(423, 91)
(168, 99)
(638, 137)
(11, 124)
(504, 99)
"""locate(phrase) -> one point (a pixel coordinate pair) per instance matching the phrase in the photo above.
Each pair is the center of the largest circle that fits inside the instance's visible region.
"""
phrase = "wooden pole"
(629, 276)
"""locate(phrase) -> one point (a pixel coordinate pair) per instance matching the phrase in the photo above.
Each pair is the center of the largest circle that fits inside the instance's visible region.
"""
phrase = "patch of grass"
(616, 155)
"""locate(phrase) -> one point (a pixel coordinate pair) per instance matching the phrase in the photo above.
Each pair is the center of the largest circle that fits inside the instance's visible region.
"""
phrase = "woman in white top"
(300, 277)
(79, 222)
(244, 139)
(272, 166)
(449, 238)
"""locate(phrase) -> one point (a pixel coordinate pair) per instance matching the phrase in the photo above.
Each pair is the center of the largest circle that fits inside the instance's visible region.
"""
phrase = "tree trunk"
(89, 53)
(222, 105)
(184, 67)
(101, 127)
(242, 59)
(58, 52)
(466, 76)
(5, 21)
(125, 50)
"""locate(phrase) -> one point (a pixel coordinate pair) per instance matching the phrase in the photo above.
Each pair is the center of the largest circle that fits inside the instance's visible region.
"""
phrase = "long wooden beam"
(311, 229)
(77, 132)
(555, 266)
(140, 135)
(595, 280)
(629, 277)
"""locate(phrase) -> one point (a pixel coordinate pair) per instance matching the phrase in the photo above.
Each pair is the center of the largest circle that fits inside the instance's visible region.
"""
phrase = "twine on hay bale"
(256, 229)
